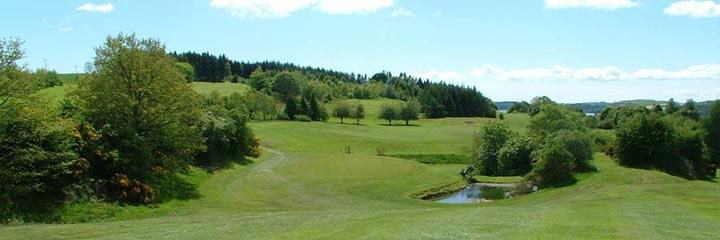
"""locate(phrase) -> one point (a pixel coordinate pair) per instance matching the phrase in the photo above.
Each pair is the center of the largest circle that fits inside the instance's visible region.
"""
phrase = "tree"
(689, 110)
(133, 98)
(291, 108)
(187, 71)
(712, 126)
(579, 146)
(554, 167)
(672, 144)
(342, 111)
(37, 152)
(389, 112)
(260, 79)
(286, 85)
(410, 111)
(538, 102)
(552, 118)
(358, 113)
(515, 156)
(520, 107)
(671, 106)
(47, 78)
(486, 147)
(10, 52)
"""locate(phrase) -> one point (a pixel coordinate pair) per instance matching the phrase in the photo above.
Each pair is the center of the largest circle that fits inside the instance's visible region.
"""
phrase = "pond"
(478, 192)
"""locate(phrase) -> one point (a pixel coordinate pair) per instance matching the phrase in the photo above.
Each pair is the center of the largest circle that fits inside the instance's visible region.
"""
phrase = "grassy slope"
(304, 187)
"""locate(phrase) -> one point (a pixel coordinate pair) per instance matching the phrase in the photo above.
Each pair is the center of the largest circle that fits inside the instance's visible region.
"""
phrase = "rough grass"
(304, 187)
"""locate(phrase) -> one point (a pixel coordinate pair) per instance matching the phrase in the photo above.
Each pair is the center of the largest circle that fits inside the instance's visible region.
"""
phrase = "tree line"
(437, 100)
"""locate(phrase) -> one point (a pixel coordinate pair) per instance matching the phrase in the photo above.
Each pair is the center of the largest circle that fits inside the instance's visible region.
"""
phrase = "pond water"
(476, 193)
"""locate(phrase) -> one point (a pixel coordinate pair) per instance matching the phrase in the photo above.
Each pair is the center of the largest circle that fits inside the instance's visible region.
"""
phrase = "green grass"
(305, 187)
(224, 88)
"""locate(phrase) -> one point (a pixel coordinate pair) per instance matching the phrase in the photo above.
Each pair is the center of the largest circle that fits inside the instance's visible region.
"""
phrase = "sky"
(569, 50)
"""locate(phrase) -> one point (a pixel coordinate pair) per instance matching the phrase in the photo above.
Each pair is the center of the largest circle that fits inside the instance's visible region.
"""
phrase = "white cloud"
(561, 73)
(65, 29)
(401, 12)
(90, 7)
(692, 8)
(352, 6)
(283, 8)
(437, 14)
(599, 4)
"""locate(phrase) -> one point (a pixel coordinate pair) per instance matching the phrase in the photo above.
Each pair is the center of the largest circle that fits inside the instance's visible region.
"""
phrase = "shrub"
(579, 147)
(554, 167)
(672, 145)
(514, 158)
(303, 118)
(486, 146)
(130, 190)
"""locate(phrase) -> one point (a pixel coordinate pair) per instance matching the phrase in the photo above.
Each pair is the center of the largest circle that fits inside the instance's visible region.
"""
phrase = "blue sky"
(569, 50)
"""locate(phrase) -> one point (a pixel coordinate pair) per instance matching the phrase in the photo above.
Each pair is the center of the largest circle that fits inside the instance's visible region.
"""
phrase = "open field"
(304, 187)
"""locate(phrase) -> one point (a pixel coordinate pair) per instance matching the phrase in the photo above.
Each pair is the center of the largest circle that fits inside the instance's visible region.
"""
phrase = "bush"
(486, 146)
(579, 147)
(302, 118)
(673, 145)
(130, 190)
(37, 162)
(514, 158)
(554, 168)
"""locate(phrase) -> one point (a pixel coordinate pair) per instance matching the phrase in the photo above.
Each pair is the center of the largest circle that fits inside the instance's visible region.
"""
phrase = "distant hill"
(597, 107)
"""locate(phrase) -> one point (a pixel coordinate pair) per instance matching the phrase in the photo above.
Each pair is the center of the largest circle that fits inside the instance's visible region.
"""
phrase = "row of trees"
(123, 135)
(410, 110)
(345, 110)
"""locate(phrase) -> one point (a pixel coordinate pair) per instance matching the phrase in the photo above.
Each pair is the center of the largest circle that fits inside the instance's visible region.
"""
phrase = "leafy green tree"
(286, 85)
(552, 118)
(579, 146)
(672, 144)
(37, 152)
(342, 110)
(389, 112)
(689, 110)
(410, 111)
(554, 167)
(671, 106)
(260, 80)
(133, 98)
(515, 156)
(291, 108)
(187, 70)
(712, 139)
(486, 147)
(519, 107)
(47, 78)
(537, 103)
(358, 113)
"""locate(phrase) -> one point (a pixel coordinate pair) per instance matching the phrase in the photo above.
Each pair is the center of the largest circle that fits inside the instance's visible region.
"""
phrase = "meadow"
(304, 186)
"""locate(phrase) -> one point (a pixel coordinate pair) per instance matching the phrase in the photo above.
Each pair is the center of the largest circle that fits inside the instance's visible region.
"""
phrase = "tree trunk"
(341, 121)
(357, 121)
(407, 122)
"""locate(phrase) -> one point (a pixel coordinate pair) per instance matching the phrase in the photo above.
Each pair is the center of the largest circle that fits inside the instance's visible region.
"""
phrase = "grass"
(305, 187)
(224, 88)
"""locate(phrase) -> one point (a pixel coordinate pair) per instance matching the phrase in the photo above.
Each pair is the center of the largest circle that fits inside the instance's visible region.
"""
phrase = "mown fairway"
(304, 187)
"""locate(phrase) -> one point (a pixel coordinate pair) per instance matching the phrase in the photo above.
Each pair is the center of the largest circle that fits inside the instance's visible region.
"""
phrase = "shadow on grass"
(214, 164)
(175, 188)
